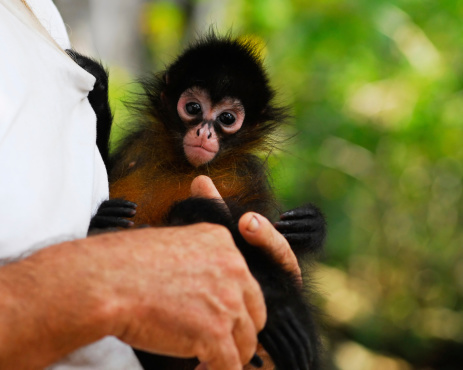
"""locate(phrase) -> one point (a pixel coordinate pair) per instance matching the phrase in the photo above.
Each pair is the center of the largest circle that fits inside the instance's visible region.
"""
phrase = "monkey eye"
(227, 118)
(193, 108)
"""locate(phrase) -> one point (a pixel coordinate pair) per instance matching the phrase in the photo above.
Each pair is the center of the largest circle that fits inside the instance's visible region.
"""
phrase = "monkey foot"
(287, 343)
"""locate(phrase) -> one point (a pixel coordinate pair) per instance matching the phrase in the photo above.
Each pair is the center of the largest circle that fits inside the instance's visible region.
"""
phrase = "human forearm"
(49, 307)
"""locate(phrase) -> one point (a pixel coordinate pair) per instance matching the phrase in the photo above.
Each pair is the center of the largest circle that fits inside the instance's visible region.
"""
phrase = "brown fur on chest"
(155, 192)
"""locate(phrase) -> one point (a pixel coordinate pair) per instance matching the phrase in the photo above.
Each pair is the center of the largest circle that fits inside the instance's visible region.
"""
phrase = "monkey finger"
(297, 238)
(118, 202)
(108, 221)
(117, 212)
(301, 212)
(293, 225)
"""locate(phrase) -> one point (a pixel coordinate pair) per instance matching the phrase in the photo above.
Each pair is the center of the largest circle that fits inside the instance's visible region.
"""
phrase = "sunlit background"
(376, 89)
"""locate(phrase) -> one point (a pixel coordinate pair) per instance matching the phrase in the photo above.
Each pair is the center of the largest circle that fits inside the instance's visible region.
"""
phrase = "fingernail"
(253, 225)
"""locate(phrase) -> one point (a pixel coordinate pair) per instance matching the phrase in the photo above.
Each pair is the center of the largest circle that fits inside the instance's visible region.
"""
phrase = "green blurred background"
(376, 89)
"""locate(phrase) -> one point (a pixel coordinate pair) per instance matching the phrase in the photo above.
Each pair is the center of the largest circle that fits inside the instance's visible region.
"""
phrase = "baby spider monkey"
(210, 113)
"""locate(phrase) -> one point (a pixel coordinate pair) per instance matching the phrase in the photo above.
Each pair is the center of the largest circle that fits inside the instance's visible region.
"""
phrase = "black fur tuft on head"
(226, 67)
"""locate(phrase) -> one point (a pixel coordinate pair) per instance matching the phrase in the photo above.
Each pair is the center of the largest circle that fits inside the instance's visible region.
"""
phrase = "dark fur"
(149, 167)
(98, 99)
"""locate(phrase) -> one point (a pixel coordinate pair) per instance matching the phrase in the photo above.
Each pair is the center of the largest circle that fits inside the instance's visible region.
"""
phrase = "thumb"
(202, 186)
(258, 231)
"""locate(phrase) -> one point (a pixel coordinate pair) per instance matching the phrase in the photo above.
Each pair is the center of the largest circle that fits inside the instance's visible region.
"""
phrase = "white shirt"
(52, 177)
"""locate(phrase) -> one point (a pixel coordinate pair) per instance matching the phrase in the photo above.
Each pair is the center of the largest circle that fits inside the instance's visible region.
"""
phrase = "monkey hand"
(113, 213)
(98, 97)
(304, 228)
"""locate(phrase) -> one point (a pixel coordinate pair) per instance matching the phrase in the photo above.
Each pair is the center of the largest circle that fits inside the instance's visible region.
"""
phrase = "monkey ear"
(164, 99)
(165, 78)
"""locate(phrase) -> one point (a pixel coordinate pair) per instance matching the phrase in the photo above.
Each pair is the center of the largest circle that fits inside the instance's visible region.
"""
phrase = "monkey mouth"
(198, 154)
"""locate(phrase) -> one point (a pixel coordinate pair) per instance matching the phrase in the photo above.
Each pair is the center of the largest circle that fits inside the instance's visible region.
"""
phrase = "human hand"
(166, 290)
(184, 297)
(256, 229)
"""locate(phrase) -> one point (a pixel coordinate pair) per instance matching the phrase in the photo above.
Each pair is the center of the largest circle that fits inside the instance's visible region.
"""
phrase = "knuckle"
(222, 232)
(236, 264)
(216, 231)
(233, 302)
(220, 331)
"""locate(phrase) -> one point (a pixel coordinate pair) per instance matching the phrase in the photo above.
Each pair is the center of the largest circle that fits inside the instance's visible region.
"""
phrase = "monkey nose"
(204, 131)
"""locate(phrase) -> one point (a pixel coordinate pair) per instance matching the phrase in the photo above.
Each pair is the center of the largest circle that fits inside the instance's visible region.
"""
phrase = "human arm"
(74, 293)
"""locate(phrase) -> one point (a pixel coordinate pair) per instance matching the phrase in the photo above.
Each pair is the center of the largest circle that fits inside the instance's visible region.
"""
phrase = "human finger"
(255, 305)
(202, 186)
(225, 357)
(258, 231)
(245, 335)
(202, 366)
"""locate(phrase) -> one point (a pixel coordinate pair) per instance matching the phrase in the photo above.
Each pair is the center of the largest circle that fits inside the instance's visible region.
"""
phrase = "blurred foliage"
(376, 89)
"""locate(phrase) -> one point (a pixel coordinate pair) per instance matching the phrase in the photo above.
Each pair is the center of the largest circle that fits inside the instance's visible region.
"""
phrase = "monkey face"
(207, 123)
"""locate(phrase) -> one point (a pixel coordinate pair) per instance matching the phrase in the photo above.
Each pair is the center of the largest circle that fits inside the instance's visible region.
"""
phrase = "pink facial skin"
(201, 143)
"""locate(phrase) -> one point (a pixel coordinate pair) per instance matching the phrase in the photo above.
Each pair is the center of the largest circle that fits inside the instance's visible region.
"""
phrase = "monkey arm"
(98, 99)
